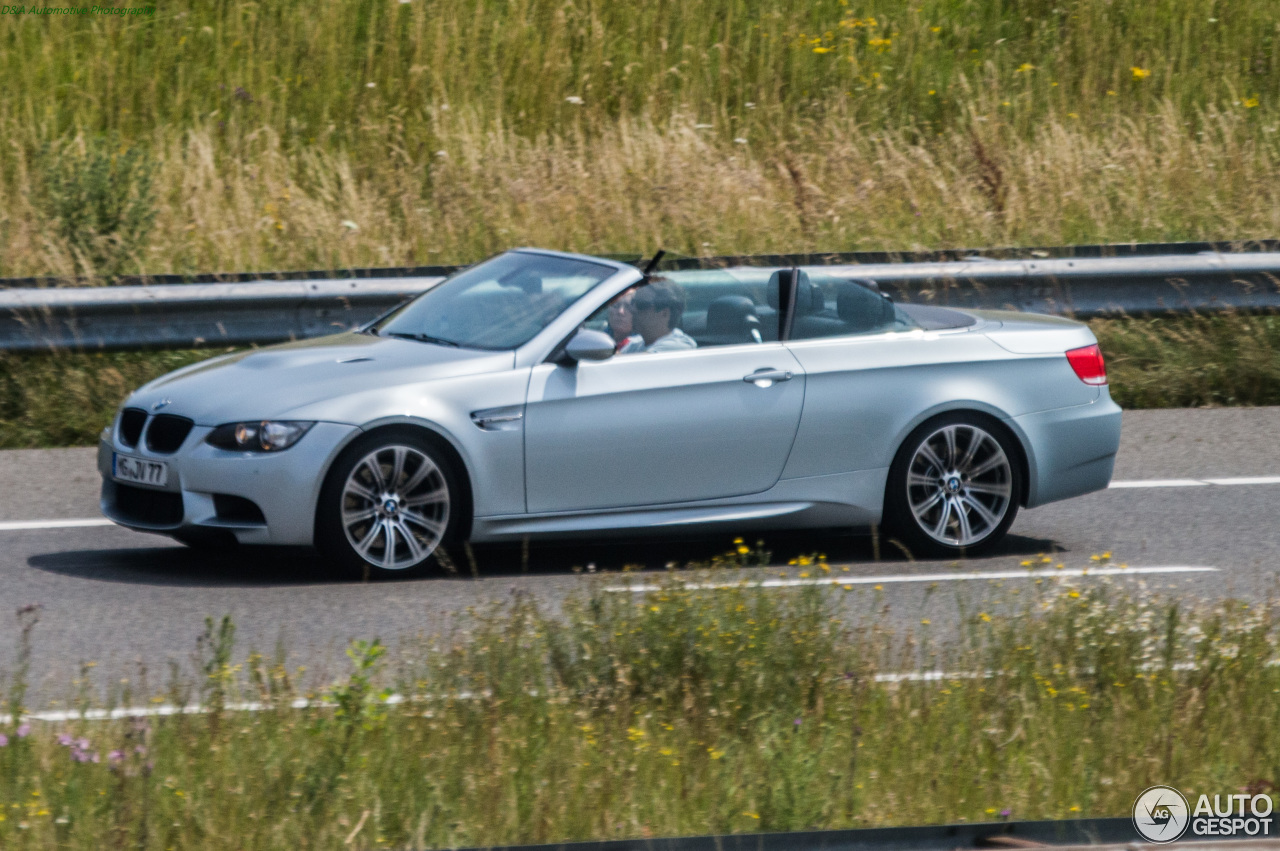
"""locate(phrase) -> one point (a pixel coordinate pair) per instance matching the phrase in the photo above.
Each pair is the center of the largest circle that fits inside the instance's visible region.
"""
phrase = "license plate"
(126, 468)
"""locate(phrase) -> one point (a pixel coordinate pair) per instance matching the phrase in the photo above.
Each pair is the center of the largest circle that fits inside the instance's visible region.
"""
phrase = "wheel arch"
(436, 436)
(991, 416)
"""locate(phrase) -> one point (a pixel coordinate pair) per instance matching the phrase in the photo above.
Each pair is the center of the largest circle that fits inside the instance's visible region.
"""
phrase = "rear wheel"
(954, 486)
(389, 504)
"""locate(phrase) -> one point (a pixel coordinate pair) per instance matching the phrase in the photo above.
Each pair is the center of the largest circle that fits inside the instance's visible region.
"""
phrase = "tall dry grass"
(636, 185)
(368, 133)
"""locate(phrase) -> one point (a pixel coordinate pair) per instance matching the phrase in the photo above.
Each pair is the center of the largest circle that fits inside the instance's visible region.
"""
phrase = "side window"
(722, 309)
(691, 309)
(830, 306)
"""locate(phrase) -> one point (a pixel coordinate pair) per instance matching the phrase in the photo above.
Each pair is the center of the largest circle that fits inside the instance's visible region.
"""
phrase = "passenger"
(621, 314)
(658, 311)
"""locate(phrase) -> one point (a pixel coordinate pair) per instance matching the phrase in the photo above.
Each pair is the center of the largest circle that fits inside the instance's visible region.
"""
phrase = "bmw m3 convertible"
(546, 394)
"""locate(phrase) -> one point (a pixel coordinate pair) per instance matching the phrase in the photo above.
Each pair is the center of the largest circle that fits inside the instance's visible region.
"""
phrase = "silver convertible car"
(547, 394)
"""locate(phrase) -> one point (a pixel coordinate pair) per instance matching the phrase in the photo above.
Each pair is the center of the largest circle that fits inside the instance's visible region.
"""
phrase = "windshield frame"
(381, 327)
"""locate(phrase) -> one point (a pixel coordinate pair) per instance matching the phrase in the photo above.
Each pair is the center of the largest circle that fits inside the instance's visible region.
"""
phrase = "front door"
(652, 428)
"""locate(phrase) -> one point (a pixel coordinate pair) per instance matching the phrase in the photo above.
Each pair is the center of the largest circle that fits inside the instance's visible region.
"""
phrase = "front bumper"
(207, 488)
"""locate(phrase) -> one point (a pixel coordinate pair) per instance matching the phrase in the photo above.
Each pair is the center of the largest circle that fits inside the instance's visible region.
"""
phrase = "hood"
(269, 383)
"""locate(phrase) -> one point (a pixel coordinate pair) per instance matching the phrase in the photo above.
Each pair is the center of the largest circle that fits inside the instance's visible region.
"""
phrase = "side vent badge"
(499, 419)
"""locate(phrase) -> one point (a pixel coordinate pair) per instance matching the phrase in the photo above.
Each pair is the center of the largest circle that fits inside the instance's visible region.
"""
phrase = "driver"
(620, 326)
(658, 310)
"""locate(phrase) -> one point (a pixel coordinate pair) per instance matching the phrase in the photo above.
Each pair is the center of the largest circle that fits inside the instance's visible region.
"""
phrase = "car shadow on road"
(300, 566)
(177, 565)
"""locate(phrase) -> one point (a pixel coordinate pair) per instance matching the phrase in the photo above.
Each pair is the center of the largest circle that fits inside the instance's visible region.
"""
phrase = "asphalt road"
(134, 603)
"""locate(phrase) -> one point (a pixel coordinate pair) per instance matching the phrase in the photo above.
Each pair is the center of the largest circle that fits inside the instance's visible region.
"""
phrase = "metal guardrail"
(267, 311)
(186, 315)
(1096, 834)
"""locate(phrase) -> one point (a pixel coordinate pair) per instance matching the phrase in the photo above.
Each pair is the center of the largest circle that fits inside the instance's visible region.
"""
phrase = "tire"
(390, 504)
(954, 486)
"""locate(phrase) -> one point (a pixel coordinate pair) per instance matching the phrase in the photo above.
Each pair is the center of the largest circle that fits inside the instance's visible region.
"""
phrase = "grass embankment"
(65, 399)
(678, 713)
(290, 135)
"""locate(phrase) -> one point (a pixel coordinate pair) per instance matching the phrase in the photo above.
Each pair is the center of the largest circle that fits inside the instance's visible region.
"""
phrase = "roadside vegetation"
(258, 137)
(673, 712)
(255, 136)
(1220, 359)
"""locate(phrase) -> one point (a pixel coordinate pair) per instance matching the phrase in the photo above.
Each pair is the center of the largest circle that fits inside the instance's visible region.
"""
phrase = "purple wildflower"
(115, 756)
(65, 740)
(23, 730)
(1006, 812)
(798, 722)
(4, 740)
(82, 744)
(140, 750)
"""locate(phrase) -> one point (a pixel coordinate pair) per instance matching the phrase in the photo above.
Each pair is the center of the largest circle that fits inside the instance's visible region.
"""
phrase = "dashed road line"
(22, 525)
(1196, 483)
(893, 579)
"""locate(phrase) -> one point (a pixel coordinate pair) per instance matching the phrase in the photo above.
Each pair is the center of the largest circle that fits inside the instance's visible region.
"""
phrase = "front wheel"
(954, 486)
(388, 505)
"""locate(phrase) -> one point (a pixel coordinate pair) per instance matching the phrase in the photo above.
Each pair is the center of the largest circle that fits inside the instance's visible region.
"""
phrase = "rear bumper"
(1071, 451)
(213, 490)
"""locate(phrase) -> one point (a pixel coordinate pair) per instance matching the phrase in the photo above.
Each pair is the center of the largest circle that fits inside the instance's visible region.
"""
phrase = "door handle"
(767, 377)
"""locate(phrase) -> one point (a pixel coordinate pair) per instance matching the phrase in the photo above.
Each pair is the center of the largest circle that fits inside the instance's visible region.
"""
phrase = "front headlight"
(261, 436)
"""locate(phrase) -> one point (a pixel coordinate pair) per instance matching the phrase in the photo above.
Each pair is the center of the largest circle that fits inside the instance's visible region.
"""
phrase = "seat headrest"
(808, 295)
(862, 306)
(729, 314)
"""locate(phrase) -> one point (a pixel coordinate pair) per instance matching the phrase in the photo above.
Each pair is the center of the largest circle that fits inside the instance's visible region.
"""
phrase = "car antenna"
(653, 264)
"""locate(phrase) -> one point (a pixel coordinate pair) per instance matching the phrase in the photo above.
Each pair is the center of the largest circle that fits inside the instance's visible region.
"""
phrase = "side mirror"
(588, 345)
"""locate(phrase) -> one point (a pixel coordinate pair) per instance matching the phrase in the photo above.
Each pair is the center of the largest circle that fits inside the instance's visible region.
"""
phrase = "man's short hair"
(666, 294)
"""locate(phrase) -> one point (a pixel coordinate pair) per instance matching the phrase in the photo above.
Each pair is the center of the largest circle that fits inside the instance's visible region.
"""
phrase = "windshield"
(501, 303)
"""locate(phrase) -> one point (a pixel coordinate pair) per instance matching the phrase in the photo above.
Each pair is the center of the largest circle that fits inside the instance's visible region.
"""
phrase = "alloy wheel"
(959, 485)
(395, 507)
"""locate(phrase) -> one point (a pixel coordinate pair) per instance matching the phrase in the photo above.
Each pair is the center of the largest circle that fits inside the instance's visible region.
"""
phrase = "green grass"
(66, 398)
(296, 135)
(678, 712)
(1222, 359)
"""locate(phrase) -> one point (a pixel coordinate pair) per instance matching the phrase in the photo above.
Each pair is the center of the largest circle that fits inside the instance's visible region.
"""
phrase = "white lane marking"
(1024, 573)
(19, 525)
(1246, 480)
(1196, 483)
(166, 709)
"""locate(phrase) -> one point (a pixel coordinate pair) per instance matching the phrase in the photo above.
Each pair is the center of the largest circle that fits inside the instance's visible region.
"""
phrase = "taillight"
(1088, 364)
